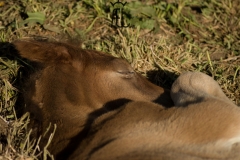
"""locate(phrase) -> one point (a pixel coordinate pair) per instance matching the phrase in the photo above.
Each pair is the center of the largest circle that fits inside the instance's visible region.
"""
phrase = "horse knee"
(192, 87)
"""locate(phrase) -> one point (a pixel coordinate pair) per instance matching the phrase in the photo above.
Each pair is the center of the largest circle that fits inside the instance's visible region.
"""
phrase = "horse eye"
(126, 74)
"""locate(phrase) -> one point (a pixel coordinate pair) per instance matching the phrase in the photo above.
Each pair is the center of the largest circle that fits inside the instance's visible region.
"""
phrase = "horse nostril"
(126, 74)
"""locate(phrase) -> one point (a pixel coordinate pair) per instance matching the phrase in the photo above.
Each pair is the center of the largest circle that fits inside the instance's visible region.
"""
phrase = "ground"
(164, 38)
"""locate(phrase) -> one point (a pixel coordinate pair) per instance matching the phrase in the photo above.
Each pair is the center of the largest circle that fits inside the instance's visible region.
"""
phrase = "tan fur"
(105, 110)
(203, 125)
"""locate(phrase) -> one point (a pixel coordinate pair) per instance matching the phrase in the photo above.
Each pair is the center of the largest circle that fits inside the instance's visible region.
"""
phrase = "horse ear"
(43, 52)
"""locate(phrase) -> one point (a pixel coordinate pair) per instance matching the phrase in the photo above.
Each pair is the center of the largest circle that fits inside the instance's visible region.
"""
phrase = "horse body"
(105, 110)
(209, 129)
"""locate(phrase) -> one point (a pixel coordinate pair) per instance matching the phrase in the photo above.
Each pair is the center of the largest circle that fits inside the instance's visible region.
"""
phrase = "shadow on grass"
(24, 69)
(161, 78)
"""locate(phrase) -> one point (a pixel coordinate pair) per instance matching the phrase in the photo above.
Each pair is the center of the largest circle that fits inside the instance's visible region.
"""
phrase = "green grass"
(165, 38)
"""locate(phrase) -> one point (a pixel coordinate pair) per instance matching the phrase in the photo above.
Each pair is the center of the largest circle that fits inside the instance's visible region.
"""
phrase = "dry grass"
(164, 40)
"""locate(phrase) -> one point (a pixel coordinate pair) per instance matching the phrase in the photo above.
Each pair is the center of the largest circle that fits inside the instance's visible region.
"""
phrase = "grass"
(165, 38)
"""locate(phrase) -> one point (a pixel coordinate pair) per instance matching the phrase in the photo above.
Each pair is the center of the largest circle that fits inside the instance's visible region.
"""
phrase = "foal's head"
(88, 77)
